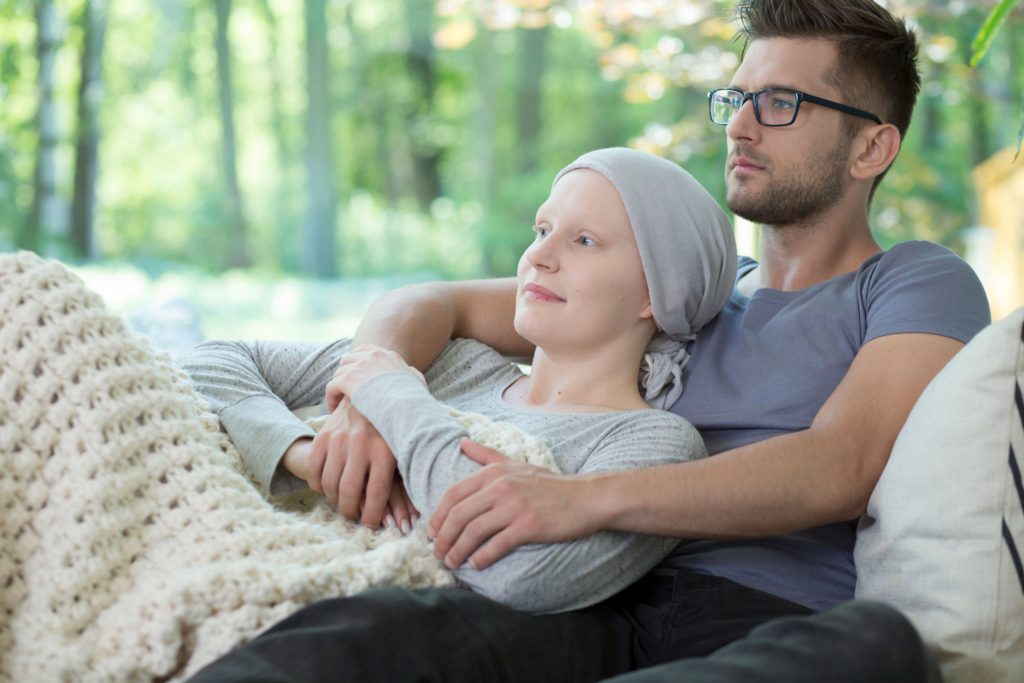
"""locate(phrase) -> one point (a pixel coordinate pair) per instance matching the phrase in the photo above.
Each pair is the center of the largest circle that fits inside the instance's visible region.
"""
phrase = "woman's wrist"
(296, 458)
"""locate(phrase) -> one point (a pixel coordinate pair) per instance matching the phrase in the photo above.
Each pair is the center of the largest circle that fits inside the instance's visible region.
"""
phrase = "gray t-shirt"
(253, 386)
(768, 363)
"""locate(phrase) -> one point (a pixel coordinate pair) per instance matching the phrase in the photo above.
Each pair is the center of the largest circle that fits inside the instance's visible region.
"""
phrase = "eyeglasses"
(772, 106)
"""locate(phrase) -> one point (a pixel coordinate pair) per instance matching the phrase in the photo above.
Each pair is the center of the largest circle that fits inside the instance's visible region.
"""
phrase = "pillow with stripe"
(943, 536)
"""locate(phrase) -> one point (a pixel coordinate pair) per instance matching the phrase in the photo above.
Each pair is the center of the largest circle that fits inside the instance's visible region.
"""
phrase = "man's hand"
(350, 463)
(505, 505)
(362, 363)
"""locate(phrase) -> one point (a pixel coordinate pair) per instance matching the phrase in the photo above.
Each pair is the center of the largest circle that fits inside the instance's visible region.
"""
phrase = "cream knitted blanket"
(132, 546)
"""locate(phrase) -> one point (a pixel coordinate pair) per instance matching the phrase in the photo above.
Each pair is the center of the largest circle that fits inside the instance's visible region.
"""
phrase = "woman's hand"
(362, 363)
(350, 463)
(505, 505)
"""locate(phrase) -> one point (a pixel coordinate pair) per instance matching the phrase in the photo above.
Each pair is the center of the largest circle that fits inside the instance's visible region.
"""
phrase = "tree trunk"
(237, 252)
(486, 153)
(533, 53)
(46, 225)
(931, 114)
(90, 91)
(283, 204)
(420, 62)
(371, 105)
(318, 253)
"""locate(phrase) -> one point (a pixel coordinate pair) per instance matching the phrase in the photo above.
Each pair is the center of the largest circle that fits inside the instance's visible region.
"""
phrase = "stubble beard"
(795, 198)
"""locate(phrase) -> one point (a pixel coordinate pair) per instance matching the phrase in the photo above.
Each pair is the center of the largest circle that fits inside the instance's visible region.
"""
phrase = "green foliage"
(624, 73)
(983, 40)
(987, 33)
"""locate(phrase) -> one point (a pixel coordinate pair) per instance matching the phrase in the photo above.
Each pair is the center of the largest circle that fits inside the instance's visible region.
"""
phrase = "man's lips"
(743, 163)
(535, 291)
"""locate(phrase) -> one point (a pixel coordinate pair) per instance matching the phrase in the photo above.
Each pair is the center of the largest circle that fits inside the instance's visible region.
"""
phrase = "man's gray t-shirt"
(767, 364)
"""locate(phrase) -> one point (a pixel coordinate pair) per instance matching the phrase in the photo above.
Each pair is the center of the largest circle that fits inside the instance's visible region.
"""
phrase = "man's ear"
(874, 150)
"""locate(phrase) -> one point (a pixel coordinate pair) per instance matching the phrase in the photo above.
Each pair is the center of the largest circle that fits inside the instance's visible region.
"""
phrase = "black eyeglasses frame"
(800, 97)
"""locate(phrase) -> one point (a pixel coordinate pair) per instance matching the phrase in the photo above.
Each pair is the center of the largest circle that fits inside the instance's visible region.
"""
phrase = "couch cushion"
(944, 531)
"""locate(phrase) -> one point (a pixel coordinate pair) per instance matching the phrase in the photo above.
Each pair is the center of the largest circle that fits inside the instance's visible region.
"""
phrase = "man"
(799, 389)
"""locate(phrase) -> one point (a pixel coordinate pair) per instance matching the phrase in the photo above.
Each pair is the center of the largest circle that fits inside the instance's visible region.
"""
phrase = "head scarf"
(688, 253)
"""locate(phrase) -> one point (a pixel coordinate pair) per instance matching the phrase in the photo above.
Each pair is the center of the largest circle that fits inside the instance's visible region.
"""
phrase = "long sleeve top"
(254, 386)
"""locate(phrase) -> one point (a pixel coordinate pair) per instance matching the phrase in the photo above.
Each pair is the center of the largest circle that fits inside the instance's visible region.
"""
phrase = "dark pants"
(391, 634)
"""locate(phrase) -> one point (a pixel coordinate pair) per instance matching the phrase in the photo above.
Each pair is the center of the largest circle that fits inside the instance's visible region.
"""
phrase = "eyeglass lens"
(774, 107)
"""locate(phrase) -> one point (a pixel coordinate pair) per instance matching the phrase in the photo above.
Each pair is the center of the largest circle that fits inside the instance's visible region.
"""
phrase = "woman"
(631, 257)
(132, 548)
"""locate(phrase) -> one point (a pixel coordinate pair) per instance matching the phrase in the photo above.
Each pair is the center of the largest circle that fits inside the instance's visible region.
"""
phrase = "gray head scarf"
(688, 253)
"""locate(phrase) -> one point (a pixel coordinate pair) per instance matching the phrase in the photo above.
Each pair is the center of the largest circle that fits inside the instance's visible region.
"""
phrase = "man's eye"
(782, 103)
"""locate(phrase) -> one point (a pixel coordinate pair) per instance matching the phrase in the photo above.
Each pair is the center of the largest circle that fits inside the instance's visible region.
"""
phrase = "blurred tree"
(369, 98)
(529, 100)
(90, 89)
(237, 245)
(284, 190)
(419, 115)
(319, 257)
(486, 143)
(45, 224)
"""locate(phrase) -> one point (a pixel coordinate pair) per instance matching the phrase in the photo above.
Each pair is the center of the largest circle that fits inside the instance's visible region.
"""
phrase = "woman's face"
(581, 283)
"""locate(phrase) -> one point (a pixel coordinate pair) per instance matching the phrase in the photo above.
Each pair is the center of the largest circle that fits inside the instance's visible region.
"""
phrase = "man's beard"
(793, 199)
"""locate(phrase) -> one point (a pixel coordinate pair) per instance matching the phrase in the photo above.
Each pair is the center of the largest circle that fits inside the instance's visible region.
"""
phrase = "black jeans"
(391, 634)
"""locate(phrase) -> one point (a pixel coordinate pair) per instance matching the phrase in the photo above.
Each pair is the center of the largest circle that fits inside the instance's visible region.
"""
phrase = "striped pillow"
(943, 536)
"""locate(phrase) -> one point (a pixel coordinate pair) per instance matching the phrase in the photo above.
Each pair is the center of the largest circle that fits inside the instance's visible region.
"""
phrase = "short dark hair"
(876, 63)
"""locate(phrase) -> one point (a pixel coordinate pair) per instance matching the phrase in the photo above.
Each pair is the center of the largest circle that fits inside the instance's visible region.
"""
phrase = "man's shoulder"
(917, 253)
(921, 286)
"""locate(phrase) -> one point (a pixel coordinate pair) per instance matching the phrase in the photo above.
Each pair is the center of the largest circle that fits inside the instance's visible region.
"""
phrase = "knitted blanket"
(132, 545)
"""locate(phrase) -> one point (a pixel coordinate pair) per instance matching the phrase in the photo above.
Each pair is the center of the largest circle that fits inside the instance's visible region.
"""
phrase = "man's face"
(788, 175)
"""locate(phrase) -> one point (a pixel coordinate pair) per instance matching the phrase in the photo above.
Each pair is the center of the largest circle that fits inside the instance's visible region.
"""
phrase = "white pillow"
(943, 536)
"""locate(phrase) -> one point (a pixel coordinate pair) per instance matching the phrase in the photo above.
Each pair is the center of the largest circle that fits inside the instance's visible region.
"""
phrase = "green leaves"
(988, 31)
(993, 22)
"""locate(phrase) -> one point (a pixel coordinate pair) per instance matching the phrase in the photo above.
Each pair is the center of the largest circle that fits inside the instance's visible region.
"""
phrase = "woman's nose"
(541, 254)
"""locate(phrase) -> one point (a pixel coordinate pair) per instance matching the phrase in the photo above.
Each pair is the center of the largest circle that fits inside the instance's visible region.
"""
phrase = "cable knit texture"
(133, 545)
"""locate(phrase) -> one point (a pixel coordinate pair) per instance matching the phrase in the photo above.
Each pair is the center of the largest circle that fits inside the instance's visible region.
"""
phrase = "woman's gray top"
(254, 386)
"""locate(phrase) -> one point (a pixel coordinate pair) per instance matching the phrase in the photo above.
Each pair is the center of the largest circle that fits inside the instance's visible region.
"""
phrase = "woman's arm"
(539, 577)
(253, 387)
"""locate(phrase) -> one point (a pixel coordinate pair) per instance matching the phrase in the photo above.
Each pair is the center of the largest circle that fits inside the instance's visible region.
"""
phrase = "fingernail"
(389, 522)
(406, 527)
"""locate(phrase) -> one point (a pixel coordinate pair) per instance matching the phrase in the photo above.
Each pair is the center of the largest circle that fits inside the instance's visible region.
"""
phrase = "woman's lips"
(535, 291)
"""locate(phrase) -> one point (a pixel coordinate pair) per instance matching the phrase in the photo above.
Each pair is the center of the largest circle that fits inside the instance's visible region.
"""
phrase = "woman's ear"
(875, 148)
(647, 313)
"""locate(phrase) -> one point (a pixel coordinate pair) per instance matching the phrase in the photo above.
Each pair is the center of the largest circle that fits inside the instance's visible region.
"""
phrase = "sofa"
(943, 535)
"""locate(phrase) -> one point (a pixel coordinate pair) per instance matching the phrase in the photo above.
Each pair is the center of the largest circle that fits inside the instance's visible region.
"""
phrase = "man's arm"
(418, 320)
(818, 476)
(348, 459)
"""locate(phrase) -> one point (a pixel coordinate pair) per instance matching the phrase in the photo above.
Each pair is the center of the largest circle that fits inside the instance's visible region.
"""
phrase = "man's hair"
(876, 63)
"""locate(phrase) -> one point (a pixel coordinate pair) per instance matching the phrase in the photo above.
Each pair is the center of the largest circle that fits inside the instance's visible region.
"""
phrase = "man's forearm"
(772, 487)
(817, 476)
(418, 320)
(415, 321)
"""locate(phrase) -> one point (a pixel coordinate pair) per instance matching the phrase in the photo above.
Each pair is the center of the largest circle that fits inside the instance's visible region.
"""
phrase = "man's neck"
(797, 256)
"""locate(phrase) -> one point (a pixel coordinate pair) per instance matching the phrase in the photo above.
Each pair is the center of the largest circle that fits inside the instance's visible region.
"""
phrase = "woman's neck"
(599, 381)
